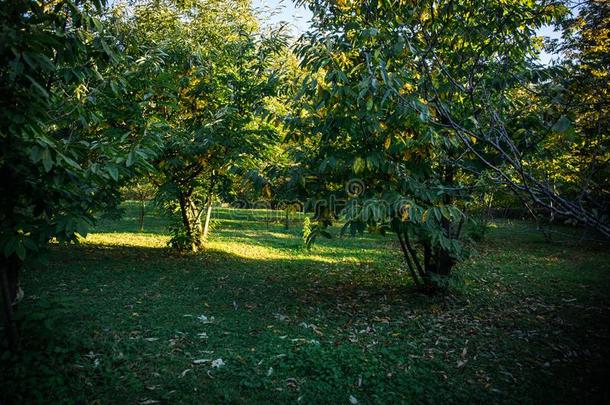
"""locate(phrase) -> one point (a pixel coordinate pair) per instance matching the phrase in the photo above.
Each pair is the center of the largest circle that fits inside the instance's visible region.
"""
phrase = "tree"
(404, 172)
(469, 63)
(142, 190)
(575, 155)
(206, 86)
(420, 100)
(61, 162)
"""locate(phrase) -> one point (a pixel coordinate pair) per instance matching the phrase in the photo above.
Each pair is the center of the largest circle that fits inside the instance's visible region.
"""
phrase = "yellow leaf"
(424, 216)
(407, 88)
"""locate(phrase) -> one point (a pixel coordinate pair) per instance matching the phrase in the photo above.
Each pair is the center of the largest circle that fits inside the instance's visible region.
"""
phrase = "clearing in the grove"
(258, 318)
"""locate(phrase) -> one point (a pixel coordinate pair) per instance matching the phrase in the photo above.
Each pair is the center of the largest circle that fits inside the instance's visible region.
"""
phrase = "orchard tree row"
(433, 106)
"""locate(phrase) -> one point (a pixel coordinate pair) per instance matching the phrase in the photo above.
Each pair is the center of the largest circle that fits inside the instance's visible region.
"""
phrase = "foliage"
(207, 88)
(422, 103)
(575, 156)
(403, 171)
(62, 159)
(306, 231)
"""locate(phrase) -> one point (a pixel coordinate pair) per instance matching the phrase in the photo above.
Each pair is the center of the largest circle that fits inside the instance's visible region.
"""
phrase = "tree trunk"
(9, 284)
(442, 263)
(184, 207)
(439, 262)
(208, 208)
(142, 211)
(208, 217)
(407, 259)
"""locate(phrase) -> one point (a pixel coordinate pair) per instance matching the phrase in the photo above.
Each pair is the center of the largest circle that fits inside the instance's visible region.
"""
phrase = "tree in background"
(143, 191)
(575, 156)
(205, 79)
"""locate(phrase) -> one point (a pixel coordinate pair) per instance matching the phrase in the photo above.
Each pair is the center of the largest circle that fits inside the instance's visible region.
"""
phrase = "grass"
(115, 320)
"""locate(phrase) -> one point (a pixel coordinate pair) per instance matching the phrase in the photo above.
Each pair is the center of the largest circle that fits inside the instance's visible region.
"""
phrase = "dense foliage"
(61, 159)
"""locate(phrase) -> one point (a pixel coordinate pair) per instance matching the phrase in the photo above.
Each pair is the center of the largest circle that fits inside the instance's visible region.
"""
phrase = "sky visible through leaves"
(276, 11)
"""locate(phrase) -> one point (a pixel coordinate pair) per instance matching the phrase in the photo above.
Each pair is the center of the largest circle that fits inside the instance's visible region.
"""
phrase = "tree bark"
(184, 206)
(208, 216)
(9, 284)
(208, 208)
(407, 259)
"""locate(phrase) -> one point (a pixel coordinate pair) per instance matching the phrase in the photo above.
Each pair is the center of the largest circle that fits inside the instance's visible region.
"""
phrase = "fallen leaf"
(218, 363)
(205, 319)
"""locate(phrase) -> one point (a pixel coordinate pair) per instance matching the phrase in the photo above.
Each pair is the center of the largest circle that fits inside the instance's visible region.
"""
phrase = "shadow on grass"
(286, 281)
(135, 309)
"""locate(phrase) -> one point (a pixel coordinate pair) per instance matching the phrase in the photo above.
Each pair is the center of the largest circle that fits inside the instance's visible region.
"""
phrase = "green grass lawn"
(117, 319)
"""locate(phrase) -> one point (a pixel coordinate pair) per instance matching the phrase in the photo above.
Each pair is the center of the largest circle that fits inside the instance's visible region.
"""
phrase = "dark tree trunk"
(209, 206)
(441, 264)
(407, 258)
(437, 262)
(9, 283)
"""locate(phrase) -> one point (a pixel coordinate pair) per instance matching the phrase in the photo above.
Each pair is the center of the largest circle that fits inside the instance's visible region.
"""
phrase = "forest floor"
(257, 318)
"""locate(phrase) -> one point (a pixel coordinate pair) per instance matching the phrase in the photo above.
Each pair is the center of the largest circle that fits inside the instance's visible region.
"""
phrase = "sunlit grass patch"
(127, 239)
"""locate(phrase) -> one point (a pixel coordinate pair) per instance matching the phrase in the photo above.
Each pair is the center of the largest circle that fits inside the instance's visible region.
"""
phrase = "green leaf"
(82, 228)
(71, 162)
(562, 124)
(359, 165)
(38, 87)
(35, 153)
(20, 251)
(47, 160)
(129, 162)
(113, 172)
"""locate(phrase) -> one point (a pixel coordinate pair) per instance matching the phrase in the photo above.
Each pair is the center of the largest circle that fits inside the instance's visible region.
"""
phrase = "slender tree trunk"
(407, 259)
(208, 217)
(142, 211)
(208, 208)
(421, 271)
(184, 206)
(439, 260)
(427, 259)
(196, 223)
